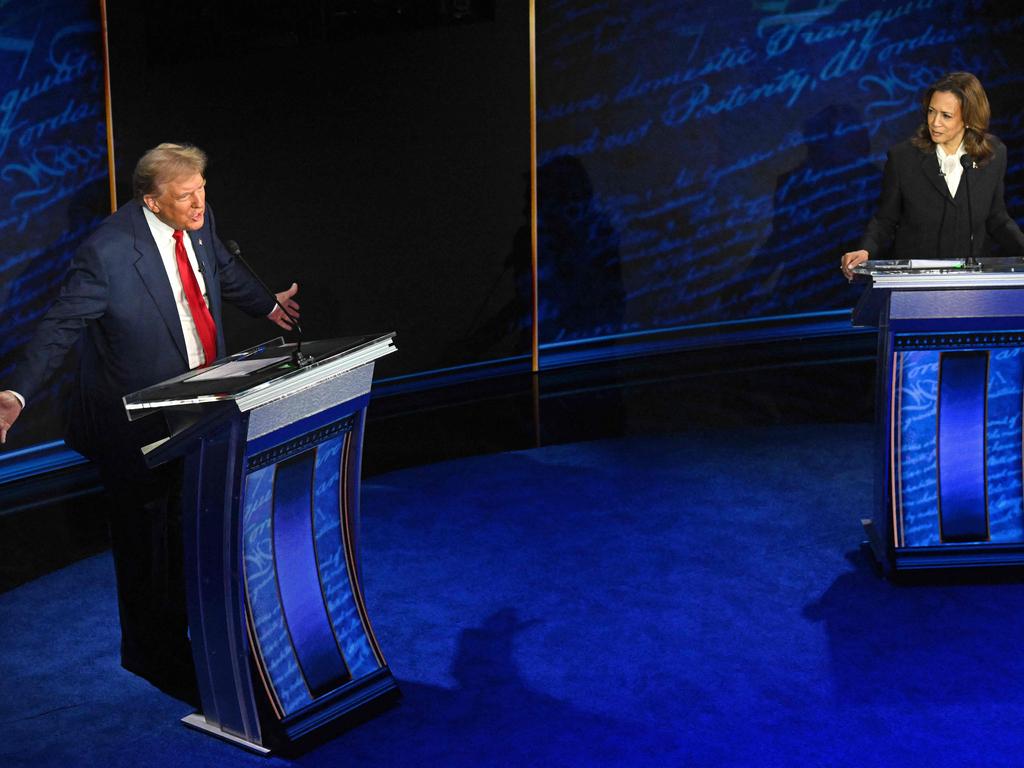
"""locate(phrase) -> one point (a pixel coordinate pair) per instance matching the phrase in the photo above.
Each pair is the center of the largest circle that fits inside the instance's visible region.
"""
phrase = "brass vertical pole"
(109, 108)
(535, 335)
(533, 185)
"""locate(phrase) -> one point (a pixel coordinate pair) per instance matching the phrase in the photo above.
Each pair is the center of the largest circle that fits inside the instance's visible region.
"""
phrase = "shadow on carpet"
(697, 599)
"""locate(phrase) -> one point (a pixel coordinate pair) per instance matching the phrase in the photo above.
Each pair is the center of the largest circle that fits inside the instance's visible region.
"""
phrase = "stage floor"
(697, 598)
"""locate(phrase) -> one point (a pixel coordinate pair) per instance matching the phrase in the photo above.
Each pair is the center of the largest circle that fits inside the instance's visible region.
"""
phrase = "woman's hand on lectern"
(851, 260)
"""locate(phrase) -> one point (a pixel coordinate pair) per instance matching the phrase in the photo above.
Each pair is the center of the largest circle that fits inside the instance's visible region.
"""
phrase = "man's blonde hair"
(166, 162)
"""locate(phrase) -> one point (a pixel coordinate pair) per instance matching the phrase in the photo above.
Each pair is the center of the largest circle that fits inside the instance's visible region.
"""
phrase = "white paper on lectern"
(936, 263)
(237, 368)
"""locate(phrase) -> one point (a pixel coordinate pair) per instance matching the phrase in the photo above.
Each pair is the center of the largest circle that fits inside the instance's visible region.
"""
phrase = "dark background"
(372, 152)
(708, 163)
(377, 152)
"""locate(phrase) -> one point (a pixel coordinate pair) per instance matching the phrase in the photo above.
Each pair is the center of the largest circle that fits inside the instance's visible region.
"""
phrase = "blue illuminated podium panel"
(280, 634)
(949, 407)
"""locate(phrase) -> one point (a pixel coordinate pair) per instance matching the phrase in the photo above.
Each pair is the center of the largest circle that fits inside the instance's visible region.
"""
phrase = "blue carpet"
(690, 600)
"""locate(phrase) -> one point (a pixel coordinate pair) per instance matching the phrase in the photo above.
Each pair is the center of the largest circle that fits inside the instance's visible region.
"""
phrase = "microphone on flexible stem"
(967, 162)
(299, 357)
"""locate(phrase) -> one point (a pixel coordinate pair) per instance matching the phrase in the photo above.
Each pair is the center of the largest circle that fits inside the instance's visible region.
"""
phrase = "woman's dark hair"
(974, 109)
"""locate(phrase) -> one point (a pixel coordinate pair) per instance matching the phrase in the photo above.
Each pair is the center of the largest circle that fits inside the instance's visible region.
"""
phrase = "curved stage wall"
(53, 171)
(698, 173)
(699, 167)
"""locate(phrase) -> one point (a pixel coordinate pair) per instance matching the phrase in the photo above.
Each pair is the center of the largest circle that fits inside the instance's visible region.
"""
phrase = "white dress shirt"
(164, 237)
(950, 168)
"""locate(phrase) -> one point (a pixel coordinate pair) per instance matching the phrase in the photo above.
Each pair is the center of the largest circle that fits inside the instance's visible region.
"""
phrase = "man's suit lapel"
(201, 248)
(154, 277)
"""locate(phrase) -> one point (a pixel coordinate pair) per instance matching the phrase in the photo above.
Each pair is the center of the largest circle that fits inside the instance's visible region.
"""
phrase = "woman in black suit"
(924, 211)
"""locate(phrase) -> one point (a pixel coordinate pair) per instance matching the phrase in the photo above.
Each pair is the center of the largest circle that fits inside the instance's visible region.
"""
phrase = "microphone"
(967, 162)
(299, 357)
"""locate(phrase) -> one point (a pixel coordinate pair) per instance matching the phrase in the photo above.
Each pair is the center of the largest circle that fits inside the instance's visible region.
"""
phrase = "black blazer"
(918, 219)
(116, 304)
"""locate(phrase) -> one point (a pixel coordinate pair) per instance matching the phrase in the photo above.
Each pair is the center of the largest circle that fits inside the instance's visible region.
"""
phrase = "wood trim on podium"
(348, 541)
(895, 449)
(250, 630)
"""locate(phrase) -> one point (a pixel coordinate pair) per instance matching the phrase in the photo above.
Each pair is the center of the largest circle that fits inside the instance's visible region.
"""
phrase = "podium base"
(876, 546)
(198, 722)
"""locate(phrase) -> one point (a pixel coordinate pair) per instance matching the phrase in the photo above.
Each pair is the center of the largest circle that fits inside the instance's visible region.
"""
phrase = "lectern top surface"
(270, 364)
(936, 273)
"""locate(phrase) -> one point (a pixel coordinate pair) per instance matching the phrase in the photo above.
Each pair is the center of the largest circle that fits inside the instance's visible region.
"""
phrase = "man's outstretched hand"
(284, 299)
(10, 410)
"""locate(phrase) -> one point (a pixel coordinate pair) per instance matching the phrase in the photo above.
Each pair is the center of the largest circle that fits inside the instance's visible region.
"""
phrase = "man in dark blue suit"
(146, 290)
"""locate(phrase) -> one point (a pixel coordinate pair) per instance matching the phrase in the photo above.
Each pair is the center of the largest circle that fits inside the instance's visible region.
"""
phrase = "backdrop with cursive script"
(705, 163)
(53, 172)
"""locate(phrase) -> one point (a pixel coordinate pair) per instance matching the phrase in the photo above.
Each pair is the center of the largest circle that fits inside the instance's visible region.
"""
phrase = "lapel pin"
(200, 241)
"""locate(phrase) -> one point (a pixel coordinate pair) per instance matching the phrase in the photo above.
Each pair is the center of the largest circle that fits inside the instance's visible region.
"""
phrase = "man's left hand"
(284, 299)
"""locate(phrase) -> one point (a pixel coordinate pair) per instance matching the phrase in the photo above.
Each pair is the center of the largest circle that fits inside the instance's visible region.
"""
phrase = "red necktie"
(196, 304)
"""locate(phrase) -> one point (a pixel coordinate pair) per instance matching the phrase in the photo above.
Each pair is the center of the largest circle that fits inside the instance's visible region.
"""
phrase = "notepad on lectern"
(936, 263)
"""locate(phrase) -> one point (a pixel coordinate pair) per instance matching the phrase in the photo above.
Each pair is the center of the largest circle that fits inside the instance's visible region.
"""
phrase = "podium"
(949, 394)
(280, 634)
